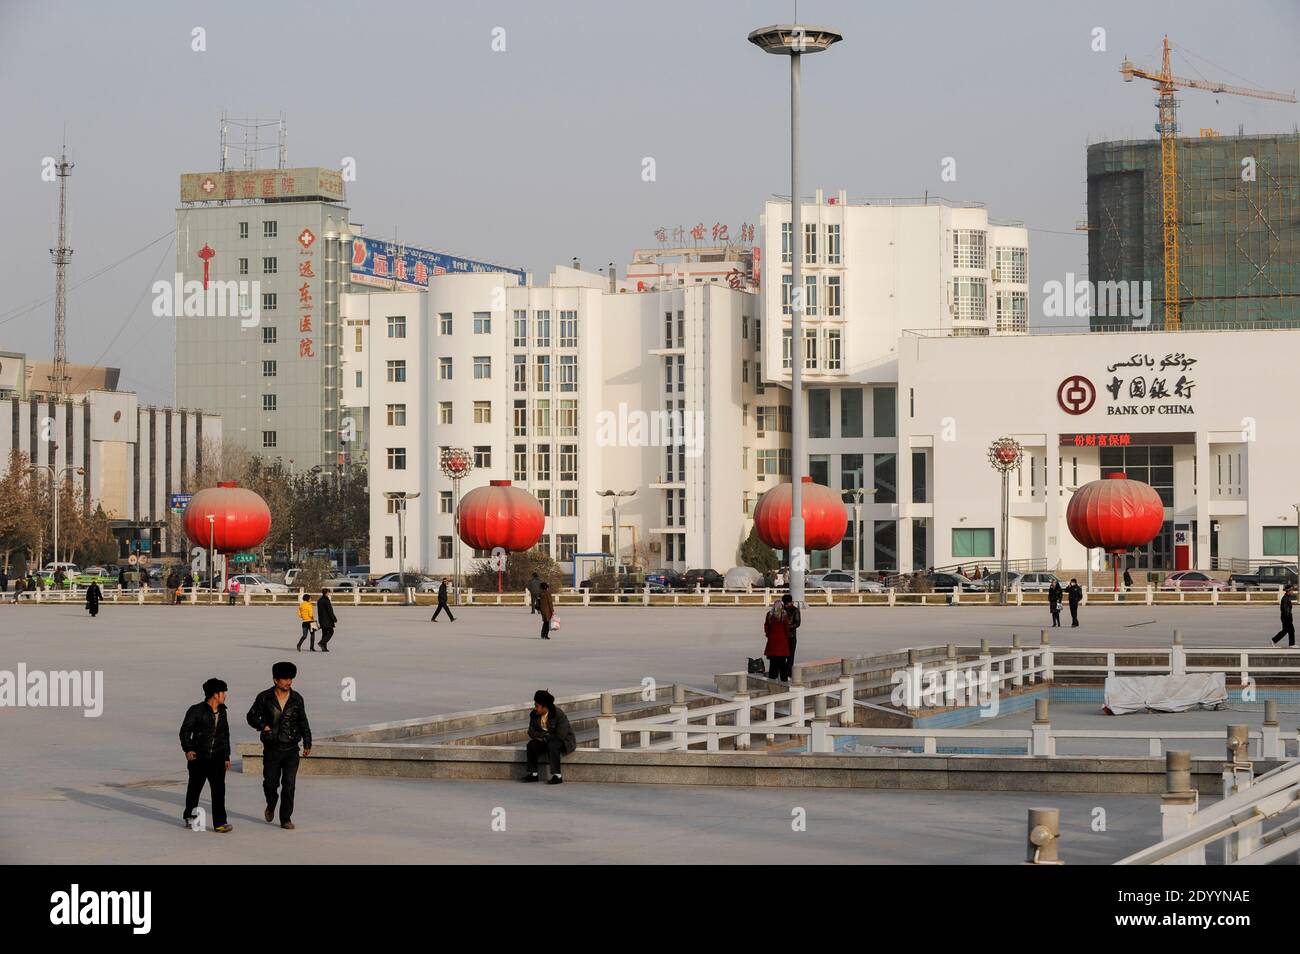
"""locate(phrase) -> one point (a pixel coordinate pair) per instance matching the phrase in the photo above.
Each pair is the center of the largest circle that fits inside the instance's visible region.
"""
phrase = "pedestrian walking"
(205, 738)
(1074, 593)
(59, 577)
(546, 606)
(534, 588)
(442, 603)
(4, 582)
(549, 734)
(777, 648)
(93, 595)
(121, 578)
(1288, 622)
(232, 590)
(19, 586)
(280, 716)
(1054, 596)
(308, 617)
(1128, 580)
(793, 619)
(325, 616)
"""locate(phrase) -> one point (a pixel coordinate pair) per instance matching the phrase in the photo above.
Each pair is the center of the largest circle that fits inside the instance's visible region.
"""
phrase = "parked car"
(388, 583)
(344, 584)
(1192, 580)
(361, 573)
(661, 581)
(830, 580)
(705, 579)
(941, 582)
(1271, 576)
(292, 574)
(256, 583)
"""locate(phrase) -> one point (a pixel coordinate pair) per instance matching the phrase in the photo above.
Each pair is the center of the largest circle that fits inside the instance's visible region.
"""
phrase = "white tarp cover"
(1206, 690)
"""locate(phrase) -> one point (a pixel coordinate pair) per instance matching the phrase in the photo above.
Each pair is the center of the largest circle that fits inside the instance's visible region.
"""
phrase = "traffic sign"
(244, 558)
(179, 502)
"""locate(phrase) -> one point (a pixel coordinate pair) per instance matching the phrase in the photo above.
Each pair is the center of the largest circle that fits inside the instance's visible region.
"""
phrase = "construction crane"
(1166, 82)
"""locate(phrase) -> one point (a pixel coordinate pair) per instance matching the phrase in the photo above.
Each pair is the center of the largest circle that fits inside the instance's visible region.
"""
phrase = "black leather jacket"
(206, 733)
(287, 727)
(557, 727)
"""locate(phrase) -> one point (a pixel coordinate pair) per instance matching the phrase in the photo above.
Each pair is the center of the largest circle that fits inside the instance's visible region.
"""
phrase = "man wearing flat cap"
(280, 715)
(549, 734)
(205, 737)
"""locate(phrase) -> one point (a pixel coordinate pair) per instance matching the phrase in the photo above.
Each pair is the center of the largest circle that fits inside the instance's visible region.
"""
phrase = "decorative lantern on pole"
(824, 516)
(500, 518)
(1115, 514)
(456, 463)
(1005, 454)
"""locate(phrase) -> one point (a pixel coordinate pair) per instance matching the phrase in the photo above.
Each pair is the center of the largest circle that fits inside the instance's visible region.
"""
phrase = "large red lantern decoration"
(500, 515)
(242, 518)
(824, 514)
(1115, 514)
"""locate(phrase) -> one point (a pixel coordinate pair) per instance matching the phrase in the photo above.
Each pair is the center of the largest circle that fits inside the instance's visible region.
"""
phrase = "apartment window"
(744, 415)
(543, 379)
(388, 547)
(765, 418)
(482, 455)
(568, 503)
(568, 329)
(681, 372)
(1012, 311)
(268, 369)
(972, 542)
(519, 419)
(243, 266)
(884, 412)
(397, 326)
(482, 323)
(744, 372)
(787, 230)
(444, 548)
(969, 299)
(1011, 266)
(759, 387)
(668, 374)
(787, 285)
(521, 328)
(851, 476)
(681, 329)
(920, 482)
(268, 402)
(568, 462)
(542, 335)
(1280, 541)
(542, 462)
(270, 230)
(544, 498)
(566, 544)
(397, 415)
(520, 363)
(819, 412)
(444, 369)
(810, 349)
(668, 329)
(243, 230)
(568, 372)
(744, 327)
(787, 337)
(568, 418)
(268, 334)
(832, 244)
(773, 462)
(520, 461)
(833, 358)
(356, 340)
(444, 323)
(758, 334)
(542, 418)
(482, 412)
(810, 294)
(445, 502)
(850, 412)
(886, 476)
(268, 439)
(269, 301)
(397, 458)
(395, 506)
(482, 367)
(269, 265)
(833, 309)
(359, 379)
(396, 371)
(444, 412)
(810, 243)
(968, 249)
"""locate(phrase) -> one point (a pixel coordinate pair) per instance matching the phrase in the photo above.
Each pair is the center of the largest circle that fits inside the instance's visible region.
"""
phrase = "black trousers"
(442, 605)
(326, 634)
(94, 609)
(551, 748)
(794, 641)
(778, 667)
(1288, 629)
(546, 628)
(1056, 615)
(307, 633)
(1074, 614)
(280, 771)
(212, 771)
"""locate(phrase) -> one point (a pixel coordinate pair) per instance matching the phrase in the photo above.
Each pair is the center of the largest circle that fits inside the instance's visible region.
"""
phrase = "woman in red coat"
(777, 650)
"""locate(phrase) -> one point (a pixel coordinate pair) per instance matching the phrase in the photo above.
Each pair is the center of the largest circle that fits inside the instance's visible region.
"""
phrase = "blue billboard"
(376, 262)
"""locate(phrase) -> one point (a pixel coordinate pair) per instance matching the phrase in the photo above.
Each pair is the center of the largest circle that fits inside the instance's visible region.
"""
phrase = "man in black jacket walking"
(793, 618)
(325, 616)
(1074, 593)
(1288, 621)
(280, 715)
(442, 603)
(549, 734)
(205, 737)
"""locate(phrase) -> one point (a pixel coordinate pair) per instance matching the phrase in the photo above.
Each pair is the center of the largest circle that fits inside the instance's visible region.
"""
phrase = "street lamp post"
(56, 476)
(794, 40)
(616, 494)
(401, 497)
(455, 463)
(1005, 455)
(212, 556)
(857, 532)
(1297, 543)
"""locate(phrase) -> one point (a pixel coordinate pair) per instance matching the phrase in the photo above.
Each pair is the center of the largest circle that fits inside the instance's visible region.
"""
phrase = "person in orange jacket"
(307, 613)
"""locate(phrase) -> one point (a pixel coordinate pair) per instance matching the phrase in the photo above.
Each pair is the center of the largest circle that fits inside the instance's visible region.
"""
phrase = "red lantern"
(1115, 514)
(242, 518)
(824, 514)
(500, 515)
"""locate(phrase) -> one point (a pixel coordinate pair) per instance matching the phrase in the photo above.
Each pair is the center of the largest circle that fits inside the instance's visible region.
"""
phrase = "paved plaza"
(109, 789)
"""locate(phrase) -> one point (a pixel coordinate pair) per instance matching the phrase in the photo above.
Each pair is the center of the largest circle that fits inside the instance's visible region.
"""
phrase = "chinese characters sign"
(1165, 385)
(718, 234)
(382, 263)
(306, 301)
(262, 184)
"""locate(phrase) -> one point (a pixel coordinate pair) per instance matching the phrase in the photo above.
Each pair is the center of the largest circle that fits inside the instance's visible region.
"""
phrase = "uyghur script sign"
(1142, 384)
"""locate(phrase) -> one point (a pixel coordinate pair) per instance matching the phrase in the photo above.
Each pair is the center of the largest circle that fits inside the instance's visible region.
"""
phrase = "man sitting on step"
(549, 734)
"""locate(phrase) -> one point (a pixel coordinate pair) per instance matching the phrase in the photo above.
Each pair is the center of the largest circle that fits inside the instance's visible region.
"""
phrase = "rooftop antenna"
(59, 379)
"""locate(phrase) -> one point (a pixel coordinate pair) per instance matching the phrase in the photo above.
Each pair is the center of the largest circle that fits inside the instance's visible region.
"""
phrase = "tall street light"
(857, 531)
(1005, 455)
(616, 494)
(401, 497)
(212, 550)
(57, 476)
(794, 40)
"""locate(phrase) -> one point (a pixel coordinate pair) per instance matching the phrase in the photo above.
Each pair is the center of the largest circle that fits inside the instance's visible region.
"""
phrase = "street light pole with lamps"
(56, 476)
(616, 494)
(857, 493)
(402, 497)
(794, 40)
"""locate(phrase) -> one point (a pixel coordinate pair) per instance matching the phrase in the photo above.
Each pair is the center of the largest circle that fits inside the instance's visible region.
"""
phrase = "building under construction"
(1238, 214)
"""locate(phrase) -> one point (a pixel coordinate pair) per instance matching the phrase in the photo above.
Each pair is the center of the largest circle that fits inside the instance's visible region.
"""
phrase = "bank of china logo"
(1076, 395)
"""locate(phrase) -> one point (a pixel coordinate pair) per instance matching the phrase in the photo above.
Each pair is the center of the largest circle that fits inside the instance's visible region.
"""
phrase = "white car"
(343, 584)
(256, 583)
(842, 581)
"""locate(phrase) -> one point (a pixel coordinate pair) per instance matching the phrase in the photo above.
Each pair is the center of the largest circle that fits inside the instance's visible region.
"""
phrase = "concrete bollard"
(913, 657)
(1178, 773)
(742, 683)
(605, 723)
(984, 647)
(951, 651)
(1178, 637)
(1041, 741)
(1272, 748)
(681, 711)
(796, 676)
(1239, 775)
(1044, 638)
(846, 667)
(1178, 806)
(848, 692)
(1045, 660)
(1238, 744)
(1177, 656)
(1043, 836)
(679, 694)
(819, 706)
(607, 703)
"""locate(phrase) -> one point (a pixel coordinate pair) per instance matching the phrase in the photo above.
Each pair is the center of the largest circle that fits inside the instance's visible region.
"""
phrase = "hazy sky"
(533, 155)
